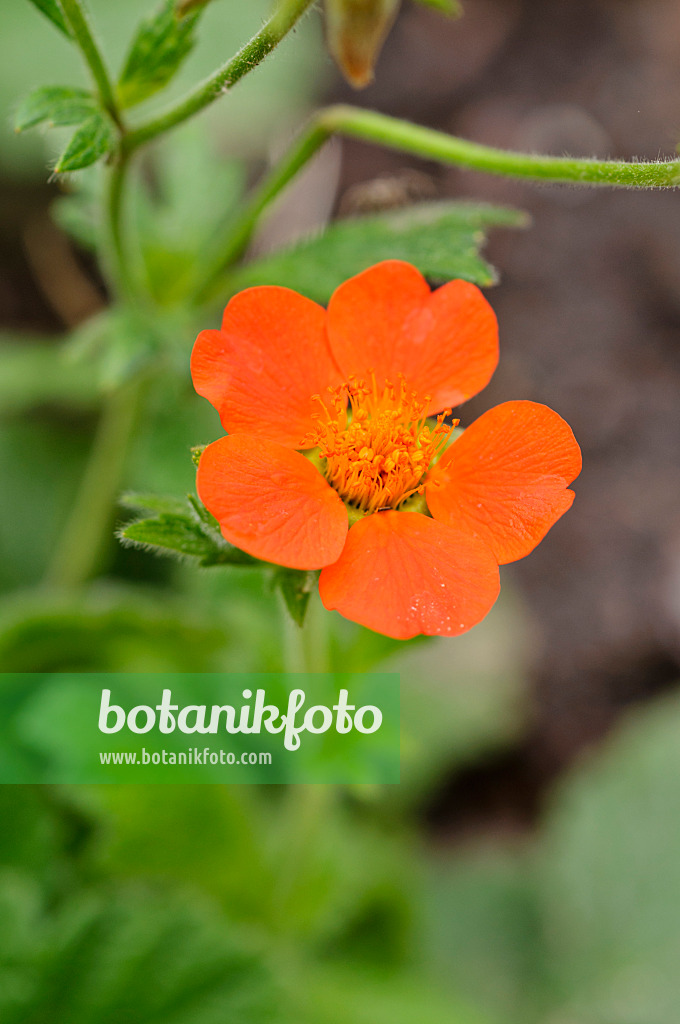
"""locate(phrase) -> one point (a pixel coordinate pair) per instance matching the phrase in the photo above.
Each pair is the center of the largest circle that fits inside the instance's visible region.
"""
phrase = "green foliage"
(116, 344)
(59, 105)
(190, 533)
(296, 586)
(442, 239)
(162, 44)
(357, 995)
(34, 372)
(52, 10)
(611, 877)
(107, 630)
(125, 955)
(174, 223)
(92, 140)
(483, 929)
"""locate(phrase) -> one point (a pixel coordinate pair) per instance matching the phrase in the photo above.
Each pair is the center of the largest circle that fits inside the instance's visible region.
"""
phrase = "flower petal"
(387, 320)
(272, 502)
(402, 573)
(262, 368)
(504, 479)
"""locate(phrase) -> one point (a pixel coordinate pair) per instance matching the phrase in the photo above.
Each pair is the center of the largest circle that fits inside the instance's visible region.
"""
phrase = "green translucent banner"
(91, 727)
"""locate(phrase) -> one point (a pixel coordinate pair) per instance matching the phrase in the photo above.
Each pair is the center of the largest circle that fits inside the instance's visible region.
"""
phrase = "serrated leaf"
(92, 140)
(131, 954)
(449, 7)
(442, 239)
(296, 586)
(162, 44)
(60, 105)
(52, 10)
(184, 533)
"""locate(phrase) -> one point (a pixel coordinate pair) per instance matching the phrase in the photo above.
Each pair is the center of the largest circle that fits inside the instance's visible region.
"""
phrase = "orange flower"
(331, 461)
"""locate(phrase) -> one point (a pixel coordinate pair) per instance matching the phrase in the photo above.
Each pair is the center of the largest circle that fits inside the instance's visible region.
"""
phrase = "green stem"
(115, 256)
(432, 145)
(293, 649)
(241, 230)
(307, 808)
(77, 555)
(82, 33)
(286, 15)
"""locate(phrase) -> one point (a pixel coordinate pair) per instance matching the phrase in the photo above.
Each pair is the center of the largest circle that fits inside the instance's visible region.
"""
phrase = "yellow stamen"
(378, 451)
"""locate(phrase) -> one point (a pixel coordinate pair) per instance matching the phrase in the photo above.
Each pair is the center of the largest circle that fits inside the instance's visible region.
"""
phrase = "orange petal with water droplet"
(505, 478)
(402, 573)
(271, 502)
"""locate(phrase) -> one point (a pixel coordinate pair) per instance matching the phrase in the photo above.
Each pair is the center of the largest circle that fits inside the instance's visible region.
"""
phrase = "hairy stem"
(432, 145)
(448, 149)
(79, 24)
(78, 553)
(286, 15)
(293, 646)
(115, 256)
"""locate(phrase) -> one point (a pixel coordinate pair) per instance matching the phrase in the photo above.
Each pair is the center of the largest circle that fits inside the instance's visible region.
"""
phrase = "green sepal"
(196, 452)
(59, 105)
(296, 586)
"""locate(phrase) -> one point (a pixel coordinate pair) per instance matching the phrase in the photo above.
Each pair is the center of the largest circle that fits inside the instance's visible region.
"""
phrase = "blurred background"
(528, 867)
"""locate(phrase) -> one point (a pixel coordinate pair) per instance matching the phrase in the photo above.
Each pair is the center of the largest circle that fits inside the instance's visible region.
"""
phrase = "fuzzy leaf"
(59, 105)
(160, 47)
(296, 586)
(442, 239)
(186, 532)
(92, 140)
(52, 10)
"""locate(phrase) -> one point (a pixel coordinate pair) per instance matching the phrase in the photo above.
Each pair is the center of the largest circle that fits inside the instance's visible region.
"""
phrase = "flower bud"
(356, 32)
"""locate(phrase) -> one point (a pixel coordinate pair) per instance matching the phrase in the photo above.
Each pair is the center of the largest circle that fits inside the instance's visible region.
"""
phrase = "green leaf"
(610, 876)
(60, 105)
(442, 239)
(117, 343)
(129, 954)
(449, 7)
(160, 47)
(34, 373)
(94, 138)
(296, 586)
(52, 10)
(189, 533)
(106, 630)
(177, 229)
(152, 503)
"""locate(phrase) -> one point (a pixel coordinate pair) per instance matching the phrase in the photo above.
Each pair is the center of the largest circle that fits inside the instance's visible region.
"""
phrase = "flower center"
(377, 451)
